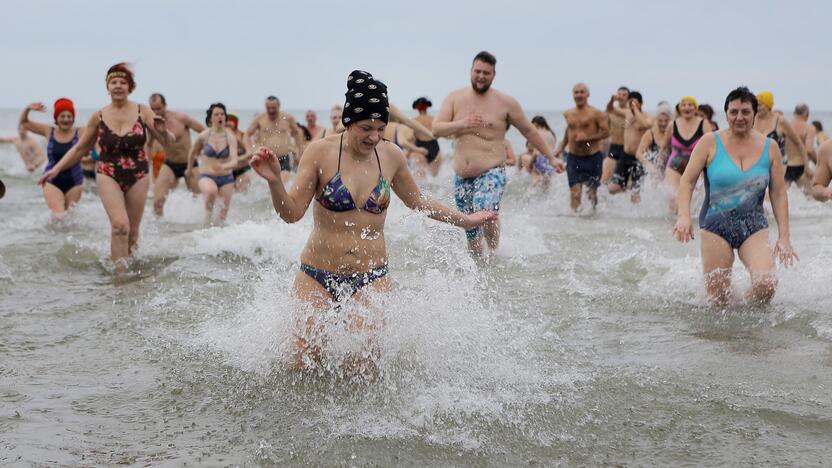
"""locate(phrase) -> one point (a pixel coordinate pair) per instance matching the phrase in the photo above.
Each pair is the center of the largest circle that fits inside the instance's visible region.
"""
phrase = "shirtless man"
(275, 131)
(823, 173)
(630, 166)
(176, 152)
(478, 117)
(616, 123)
(31, 151)
(586, 127)
(312, 125)
(797, 158)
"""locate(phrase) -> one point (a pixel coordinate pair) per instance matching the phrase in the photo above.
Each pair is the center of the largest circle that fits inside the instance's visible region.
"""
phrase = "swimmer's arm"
(511, 158)
(642, 149)
(34, 127)
(611, 109)
(697, 163)
(443, 126)
(165, 137)
(192, 123)
(563, 142)
(248, 137)
(421, 131)
(809, 144)
(603, 128)
(243, 159)
(8, 140)
(196, 148)
(643, 119)
(292, 205)
(823, 175)
(792, 135)
(408, 191)
(777, 192)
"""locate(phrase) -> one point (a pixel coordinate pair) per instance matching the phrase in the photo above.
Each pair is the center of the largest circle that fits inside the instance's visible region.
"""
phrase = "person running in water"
(65, 189)
(351, 176)
(686, 132)
(275, 130)
(180, 125)
(740, 164)
(433, 158)
(30, 150)
(782, 133)
(121, 129)
(586, 128)
(217, 151)
(629, 168)
(478, 117)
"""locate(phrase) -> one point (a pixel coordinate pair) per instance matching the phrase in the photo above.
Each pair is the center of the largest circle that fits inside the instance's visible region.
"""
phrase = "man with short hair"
(312, 125)
(275, 131)
(586, 126)
(180, 125)
(823, 173)
(617, 128)
(629, 168)
(30, 150)
(478, 116)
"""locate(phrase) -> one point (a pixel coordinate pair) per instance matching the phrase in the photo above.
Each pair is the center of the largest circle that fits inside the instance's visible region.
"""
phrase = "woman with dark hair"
(739, 164)
(351, 175)
(705, 111)
(121, 172)
(217, 151)
(65, 189)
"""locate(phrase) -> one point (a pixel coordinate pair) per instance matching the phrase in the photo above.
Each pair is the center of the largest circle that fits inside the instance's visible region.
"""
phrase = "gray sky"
(239, 51)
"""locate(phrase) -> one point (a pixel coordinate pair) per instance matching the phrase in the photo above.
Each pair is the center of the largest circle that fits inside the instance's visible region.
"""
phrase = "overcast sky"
(239, 51)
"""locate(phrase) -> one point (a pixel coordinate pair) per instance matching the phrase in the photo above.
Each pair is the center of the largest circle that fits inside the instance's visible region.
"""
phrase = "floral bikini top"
(337, 197)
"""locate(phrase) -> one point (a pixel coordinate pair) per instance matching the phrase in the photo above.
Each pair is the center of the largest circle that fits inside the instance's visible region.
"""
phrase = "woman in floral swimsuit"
(121, 172)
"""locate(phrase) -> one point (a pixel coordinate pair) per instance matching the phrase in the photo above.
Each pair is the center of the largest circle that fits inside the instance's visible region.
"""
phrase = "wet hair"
(541, 121)
(211, 111)
(123, 70)
(159, 97)
(624, 88)
(486, 57)
(801, 109)
(307, 135)
(707, 110)
(273, 98)
(818, 125)
(637, 96)
(742, 94)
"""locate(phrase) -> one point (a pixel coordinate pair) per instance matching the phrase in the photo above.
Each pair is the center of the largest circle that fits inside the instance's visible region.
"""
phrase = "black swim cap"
(366, 99)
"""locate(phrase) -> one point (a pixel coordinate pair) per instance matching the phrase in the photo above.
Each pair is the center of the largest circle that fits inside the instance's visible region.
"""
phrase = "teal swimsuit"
(733, 206)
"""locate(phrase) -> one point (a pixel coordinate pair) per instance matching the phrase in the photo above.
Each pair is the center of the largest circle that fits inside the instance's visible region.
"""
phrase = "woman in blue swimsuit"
(739, 164)
(351, 175)
(217, 151)
(63, 190)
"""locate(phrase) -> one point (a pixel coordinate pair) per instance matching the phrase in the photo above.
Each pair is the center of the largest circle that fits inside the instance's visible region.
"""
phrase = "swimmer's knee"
(614, 188)
(763, 287)
(120, 228)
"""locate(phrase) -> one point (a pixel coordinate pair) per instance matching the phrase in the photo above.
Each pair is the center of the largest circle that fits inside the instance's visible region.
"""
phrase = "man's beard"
(477, 90)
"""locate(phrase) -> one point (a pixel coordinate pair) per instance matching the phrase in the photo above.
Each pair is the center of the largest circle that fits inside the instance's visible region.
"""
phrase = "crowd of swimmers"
(372, 149)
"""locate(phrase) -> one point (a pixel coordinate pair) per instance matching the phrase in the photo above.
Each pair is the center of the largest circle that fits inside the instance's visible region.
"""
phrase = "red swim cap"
(63, 104)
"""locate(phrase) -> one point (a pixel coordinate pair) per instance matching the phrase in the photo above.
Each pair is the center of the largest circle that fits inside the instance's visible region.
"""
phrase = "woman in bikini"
(64, 189)
(121, 171)
(217, 151)
(351, 176)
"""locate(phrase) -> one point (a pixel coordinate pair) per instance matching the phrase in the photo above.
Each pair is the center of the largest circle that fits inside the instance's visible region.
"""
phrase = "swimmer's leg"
(755, 254)
(717, 260)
